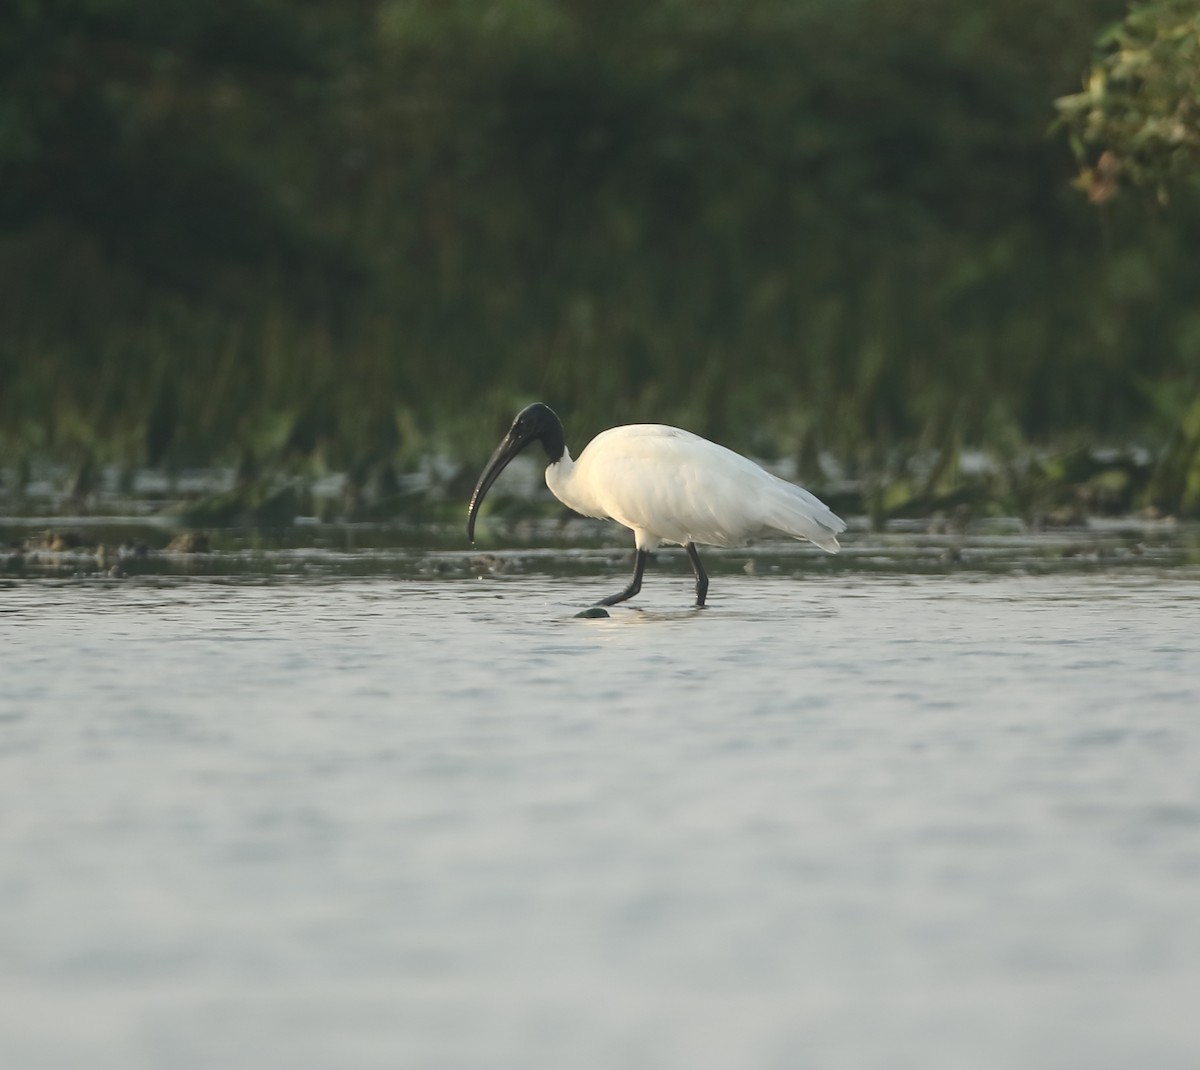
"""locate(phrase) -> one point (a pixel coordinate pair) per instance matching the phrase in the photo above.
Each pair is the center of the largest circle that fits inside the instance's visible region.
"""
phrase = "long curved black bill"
(504, 453)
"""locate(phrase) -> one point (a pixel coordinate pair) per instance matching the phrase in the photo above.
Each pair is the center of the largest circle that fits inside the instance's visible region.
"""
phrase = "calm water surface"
(852, 821)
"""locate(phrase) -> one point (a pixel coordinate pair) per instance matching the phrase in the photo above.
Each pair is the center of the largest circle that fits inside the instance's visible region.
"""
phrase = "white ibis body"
(665, 484)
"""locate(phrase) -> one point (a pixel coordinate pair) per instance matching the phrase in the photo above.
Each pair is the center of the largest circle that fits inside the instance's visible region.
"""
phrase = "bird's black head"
(535, 423)
(538, 423)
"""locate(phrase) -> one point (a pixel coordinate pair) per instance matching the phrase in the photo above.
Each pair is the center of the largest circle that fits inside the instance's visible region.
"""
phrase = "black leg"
(701, 575)
(635, 584)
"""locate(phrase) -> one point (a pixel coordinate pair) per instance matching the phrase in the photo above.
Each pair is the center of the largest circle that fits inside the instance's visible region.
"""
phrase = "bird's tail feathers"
(803, 515)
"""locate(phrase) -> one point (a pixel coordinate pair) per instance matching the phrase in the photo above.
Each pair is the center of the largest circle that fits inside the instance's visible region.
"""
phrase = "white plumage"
(669, 485)
(666, 485)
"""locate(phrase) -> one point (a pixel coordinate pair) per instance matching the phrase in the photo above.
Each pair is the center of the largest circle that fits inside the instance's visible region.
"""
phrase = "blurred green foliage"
(1137, 125)
(1137, 122)
(304, 235)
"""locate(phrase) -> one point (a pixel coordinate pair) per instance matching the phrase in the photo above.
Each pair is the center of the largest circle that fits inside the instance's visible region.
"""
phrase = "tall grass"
(798, 228)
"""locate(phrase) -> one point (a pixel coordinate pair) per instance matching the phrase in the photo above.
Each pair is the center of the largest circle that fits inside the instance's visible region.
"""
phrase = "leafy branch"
(1137, 122)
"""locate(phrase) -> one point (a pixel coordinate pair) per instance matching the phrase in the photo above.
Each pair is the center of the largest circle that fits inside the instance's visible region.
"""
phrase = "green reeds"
(763, 221)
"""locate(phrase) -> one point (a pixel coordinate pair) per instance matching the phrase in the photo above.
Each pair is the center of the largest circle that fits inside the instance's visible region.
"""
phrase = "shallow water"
(849, 820)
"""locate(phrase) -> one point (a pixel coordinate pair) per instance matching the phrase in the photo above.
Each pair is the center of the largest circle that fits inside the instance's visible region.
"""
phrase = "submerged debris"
(483, 564)
(189, 542)
(52, 541)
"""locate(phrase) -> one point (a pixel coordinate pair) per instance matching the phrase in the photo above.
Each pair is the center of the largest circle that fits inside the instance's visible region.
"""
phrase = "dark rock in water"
(593, 611)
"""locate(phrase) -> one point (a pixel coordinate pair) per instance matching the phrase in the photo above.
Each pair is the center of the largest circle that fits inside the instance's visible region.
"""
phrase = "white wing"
(669, 485)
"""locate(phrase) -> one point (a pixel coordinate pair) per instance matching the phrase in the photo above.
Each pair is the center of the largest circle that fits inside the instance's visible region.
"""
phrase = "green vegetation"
(1139, 114)
(302, 237)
